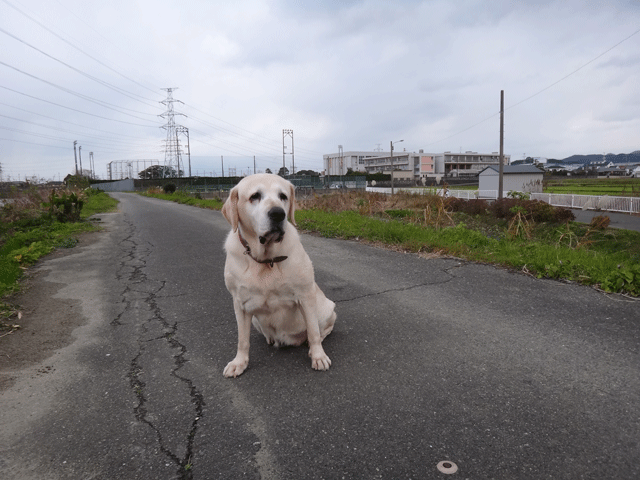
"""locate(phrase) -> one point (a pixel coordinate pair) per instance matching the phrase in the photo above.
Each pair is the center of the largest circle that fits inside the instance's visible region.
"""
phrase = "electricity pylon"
(172, 152)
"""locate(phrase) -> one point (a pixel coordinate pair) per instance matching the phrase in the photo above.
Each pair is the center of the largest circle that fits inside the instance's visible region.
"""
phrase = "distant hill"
(633, 157)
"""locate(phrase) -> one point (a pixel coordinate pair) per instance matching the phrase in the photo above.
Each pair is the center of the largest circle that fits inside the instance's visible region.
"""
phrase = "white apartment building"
(339, 163)
(425, 165)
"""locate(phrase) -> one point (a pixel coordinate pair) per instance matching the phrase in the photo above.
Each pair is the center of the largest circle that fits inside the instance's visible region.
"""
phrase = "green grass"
(25, 246)
(615, 187)
(24, 241)
(179, 197)
(608, 259)
(99, 202)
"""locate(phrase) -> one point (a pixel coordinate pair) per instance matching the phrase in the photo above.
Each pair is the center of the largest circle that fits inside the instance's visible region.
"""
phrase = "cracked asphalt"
(505, 375)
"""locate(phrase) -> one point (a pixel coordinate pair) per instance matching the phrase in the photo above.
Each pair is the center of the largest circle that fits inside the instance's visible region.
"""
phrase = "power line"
(65, 121)
(154, 90)
(79, 95)
(109, 147)
(91, 77)
(33, 143)
(72, 131)
(575, 71)
(540, 91)
(275, 143)
(74, 109)
(74, 46)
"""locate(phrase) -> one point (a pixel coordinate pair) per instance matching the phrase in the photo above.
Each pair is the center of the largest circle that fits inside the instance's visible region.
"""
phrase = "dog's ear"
(230, 208)
(292, 205)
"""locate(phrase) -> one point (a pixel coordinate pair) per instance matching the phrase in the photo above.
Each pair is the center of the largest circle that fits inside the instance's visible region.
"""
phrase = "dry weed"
(520, 226)
(430, 210)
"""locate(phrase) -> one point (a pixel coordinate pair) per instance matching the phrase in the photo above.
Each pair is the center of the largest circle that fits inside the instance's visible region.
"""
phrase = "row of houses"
(601, 168)
(412, 165)
(421, 166)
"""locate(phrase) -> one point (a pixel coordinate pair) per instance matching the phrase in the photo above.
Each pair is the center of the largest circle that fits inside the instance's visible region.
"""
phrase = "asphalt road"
(617, 219)
(507, 376)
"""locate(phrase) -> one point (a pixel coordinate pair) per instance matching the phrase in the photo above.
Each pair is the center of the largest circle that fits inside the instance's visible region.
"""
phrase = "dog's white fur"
(281, 299)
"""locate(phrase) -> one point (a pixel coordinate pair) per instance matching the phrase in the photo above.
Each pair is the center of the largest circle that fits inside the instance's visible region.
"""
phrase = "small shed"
(520, 178)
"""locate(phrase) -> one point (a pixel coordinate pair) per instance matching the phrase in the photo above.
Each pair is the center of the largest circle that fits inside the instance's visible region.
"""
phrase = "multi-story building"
(339, 163)
(424, 165)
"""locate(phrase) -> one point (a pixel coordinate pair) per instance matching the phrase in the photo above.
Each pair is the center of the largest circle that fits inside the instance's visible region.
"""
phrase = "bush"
(502, 208)
(65, 208)
(562, 214)
(169, 188)
(453, 204)
(476, 207)
(539, 211)
(535, 210)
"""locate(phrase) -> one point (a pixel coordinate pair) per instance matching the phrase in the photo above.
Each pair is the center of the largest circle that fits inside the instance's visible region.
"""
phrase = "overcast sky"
(353, 73)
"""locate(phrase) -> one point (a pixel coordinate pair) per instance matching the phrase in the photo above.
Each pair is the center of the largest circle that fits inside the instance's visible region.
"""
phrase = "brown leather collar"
(268, 261)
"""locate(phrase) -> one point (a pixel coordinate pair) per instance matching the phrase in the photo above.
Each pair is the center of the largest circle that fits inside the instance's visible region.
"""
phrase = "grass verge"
(29, 230)
(186, 199)
(98, 203)
(588, 254)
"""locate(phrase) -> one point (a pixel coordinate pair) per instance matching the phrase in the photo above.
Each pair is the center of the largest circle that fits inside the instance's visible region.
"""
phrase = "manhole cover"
(447, 467)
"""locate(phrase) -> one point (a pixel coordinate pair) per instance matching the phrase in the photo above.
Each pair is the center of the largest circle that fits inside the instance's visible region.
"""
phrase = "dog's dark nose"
(277, 215)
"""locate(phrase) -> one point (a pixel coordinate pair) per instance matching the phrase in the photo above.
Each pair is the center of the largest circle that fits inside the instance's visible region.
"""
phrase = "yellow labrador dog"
(269, 274)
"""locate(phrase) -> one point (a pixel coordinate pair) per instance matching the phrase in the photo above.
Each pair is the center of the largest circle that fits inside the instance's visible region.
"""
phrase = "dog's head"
(261, 204)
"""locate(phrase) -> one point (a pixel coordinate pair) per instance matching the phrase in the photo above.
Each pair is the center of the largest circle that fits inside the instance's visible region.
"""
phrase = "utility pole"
(391, 148)
(222, 162)
(254, 164)
(91, 164)
(341, 155)
(185, 130)
(75, 155)
(501, 168)
(80, 157)
(287, 133)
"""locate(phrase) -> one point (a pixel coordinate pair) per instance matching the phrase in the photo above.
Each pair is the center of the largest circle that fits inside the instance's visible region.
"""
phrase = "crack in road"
(131, 273)
(408, 287)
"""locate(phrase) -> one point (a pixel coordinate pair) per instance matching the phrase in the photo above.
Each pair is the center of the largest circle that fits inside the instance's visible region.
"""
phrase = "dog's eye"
(255, 196)
(283, 197)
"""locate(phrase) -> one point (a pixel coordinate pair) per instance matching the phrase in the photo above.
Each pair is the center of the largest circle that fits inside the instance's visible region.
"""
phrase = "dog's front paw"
(235, 367)
(319, 359)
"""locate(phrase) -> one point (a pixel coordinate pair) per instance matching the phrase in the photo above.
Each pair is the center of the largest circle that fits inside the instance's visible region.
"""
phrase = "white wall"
(520, 182)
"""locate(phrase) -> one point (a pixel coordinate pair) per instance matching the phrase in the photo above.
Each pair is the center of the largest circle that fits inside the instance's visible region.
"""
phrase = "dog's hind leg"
(269, 335)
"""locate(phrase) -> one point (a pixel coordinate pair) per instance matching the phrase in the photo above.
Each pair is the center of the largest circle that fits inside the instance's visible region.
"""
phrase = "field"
(614, 187)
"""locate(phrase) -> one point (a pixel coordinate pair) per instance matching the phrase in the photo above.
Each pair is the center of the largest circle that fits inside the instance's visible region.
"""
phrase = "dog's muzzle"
(277, 216)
